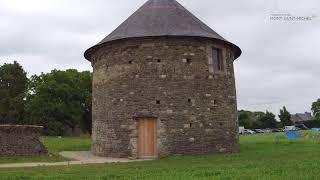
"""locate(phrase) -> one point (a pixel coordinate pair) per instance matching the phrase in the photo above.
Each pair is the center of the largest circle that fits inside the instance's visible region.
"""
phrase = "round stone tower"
(163, 83)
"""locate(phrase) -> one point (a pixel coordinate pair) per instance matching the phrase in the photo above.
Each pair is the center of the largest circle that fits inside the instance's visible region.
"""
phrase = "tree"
(60, 100)
(244, 118)
(268, 120)
(13, 82)
(316, 109)
(285, 117)
(250, 119)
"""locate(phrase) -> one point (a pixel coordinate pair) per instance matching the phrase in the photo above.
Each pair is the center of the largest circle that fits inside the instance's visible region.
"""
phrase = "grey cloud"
(279, 65)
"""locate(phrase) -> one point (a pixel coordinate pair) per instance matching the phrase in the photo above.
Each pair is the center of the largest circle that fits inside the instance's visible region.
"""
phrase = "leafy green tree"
(285, 117)
(316, 109)
(60, 100)
(268, 120)
(13, 83)
(244, 118)
(256, 120)
(250, 120)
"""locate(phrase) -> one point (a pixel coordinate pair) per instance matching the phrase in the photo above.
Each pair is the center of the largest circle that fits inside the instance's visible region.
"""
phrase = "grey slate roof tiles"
(162, 18)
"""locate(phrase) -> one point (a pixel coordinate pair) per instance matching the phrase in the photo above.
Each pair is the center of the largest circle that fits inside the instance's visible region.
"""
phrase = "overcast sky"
(280, 64)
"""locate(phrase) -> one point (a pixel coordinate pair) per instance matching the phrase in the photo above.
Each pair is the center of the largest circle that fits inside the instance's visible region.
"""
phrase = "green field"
(261, 157)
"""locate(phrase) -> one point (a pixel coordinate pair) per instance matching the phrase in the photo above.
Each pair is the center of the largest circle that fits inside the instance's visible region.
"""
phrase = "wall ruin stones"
(21, 141)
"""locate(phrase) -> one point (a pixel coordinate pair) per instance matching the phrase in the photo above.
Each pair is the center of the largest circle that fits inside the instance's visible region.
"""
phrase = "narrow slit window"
(215, 102)
(217, 60)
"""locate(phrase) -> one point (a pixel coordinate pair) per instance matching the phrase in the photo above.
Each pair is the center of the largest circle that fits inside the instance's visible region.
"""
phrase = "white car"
(290, 128)
(241, 130)
(248, 131)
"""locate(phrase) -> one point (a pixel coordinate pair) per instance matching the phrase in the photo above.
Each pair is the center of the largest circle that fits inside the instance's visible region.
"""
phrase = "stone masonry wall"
(171, 79)
(21, 141)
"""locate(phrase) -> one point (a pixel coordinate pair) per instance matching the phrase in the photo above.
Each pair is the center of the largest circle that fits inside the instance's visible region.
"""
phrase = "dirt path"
(80, 157)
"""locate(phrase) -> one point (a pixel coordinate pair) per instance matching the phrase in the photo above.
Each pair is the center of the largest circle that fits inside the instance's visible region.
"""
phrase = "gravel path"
(80, 157)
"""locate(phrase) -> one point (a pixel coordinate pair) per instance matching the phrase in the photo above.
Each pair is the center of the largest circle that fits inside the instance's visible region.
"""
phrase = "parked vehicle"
(248, 131)
(259, 131)
(277, 130)
(291, 128)
(267, 130)
(241, 130)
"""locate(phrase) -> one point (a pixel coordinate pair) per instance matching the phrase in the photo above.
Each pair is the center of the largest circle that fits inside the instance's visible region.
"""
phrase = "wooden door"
(147, 138)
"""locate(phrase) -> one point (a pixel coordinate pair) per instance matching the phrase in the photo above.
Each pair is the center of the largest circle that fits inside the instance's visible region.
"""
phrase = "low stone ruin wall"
(16, 140)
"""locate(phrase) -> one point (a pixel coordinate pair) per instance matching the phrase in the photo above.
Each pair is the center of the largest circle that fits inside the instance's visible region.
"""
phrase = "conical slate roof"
(162, 18)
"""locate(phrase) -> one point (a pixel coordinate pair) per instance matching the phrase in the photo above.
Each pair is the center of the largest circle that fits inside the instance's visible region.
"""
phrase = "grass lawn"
(261, 157)
(54, 146)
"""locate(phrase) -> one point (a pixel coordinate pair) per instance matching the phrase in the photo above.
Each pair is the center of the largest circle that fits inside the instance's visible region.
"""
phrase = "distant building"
(301, 117)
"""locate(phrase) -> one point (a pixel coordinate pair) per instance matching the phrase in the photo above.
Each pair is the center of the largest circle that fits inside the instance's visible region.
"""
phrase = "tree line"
(61, 100)
(263, 120)
(58, 100)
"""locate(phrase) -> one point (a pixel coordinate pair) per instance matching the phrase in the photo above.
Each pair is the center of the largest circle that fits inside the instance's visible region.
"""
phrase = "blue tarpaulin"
(293, 134)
